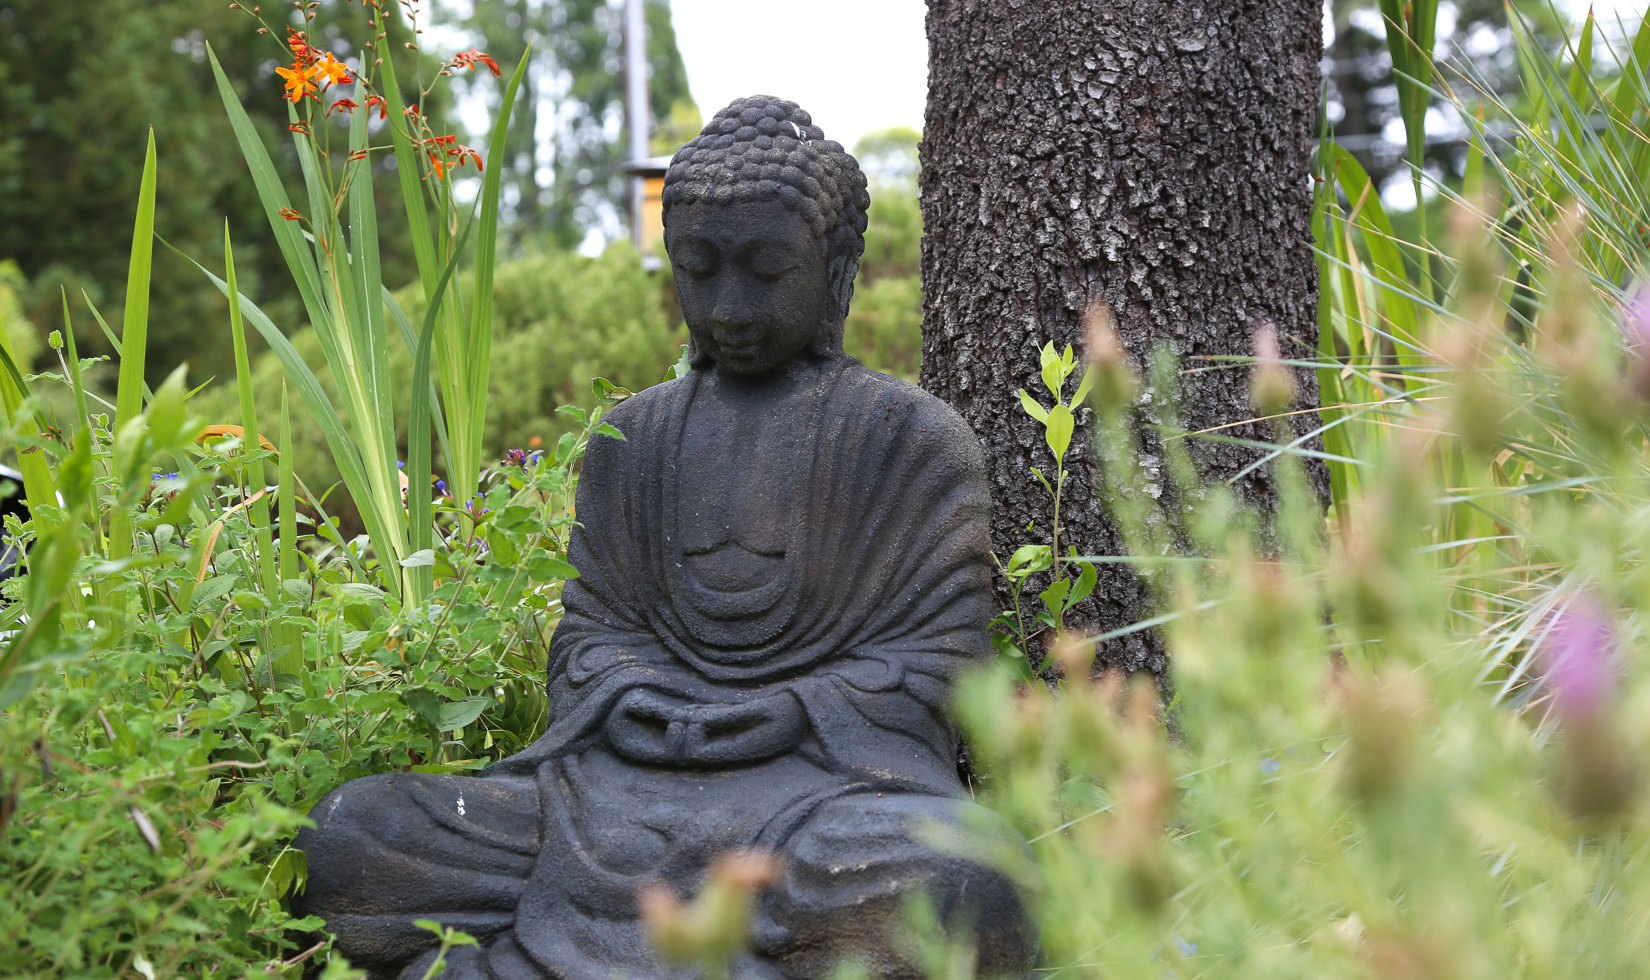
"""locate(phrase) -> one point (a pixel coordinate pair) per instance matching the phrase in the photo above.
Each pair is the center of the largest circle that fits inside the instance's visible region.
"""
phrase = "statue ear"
(840, 272)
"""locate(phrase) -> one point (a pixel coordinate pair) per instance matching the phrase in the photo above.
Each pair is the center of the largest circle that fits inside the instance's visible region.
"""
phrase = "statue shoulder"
(645, 407)
(931, 418)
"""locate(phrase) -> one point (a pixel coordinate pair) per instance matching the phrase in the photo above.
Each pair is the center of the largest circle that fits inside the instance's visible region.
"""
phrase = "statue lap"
(395, 848)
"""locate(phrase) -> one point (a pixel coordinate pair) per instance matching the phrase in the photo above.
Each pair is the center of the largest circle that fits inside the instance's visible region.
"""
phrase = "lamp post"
(637, 114)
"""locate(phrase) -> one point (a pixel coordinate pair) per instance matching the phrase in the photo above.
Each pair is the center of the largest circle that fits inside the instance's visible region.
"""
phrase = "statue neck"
(770, 388)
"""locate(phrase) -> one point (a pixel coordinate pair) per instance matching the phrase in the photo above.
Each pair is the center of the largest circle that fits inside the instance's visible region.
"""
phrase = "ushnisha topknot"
(761, 146)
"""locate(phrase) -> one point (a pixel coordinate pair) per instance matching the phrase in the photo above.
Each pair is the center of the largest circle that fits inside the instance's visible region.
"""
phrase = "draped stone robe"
(757, 653)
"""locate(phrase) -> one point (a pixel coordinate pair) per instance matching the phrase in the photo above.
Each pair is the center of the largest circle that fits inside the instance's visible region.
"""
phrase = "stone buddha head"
(765, 224)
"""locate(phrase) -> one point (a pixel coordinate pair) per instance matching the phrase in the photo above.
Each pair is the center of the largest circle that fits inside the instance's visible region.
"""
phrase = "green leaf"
(487, 242)
(1054, 597)
(424, 410)
(1086, 580)
(1051, 370)
(423, 558)
(607, 391)
(1083, 388)
(1032, 408)
(545, 568)
(1581, 72)
(456, 714)
(1028, 559)
(134, 339)
(426, 704)
(213, 588)
(1399, 306)
(1059, 429)
(682, 366)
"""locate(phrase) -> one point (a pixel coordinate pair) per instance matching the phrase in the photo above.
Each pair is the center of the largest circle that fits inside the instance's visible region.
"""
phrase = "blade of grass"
(288, 237)
(134, 340)
(420, 519)
(374, 376)
(114, 341)
(479, 353)
(409, 335)
(100, 588)
(250, 445)
(1411, 31)
(343, 448)
(285, 500)
(406, 169)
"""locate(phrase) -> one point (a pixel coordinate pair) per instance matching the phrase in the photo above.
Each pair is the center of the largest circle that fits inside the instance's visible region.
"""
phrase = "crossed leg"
(856, 863)
(388, 849)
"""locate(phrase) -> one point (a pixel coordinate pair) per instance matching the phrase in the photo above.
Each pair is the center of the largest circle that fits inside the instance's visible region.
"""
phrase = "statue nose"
(732, 309)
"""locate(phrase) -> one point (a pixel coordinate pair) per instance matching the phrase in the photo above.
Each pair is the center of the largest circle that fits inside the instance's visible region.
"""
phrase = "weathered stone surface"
(783, 565)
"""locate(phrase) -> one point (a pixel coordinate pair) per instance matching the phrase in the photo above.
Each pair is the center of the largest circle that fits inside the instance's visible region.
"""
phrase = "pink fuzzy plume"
(1576, 653)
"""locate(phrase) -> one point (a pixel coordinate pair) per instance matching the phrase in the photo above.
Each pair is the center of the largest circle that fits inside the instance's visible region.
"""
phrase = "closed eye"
(695, 268)
(772, 271)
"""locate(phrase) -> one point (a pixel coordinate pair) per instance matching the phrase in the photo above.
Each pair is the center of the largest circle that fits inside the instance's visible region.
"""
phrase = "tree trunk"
(1153, 154)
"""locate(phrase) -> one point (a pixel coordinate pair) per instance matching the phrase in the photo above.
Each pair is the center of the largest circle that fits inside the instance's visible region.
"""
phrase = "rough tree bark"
(1153, 154)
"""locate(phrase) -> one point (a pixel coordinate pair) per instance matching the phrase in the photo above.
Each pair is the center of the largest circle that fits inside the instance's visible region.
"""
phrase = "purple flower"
(515, 457)
(1635, 315)
(1576, 654)
(441, 487)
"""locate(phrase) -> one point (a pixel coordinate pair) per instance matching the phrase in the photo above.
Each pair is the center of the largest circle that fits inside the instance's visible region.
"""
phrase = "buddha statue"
(782, 567)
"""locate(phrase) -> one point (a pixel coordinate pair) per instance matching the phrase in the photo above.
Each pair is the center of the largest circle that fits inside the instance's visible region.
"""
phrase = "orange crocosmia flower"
(290, 214)
(299, 81)
(348, 105)
(378, 100)
(469, 59)
(335, 71)
(439, 165)
(302, 53)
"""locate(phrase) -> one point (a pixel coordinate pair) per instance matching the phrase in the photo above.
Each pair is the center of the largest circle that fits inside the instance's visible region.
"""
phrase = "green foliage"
(884, 328)
(151, 786)
(178, 685)
(81, 84)
(1382, 767)
(1013, 629)
(1408, 741)
(332, 250)
(559, 319)
(21, 338)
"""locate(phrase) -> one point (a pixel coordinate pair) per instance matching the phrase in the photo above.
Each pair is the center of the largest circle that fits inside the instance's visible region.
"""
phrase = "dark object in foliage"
(14, 504)
(782, 566)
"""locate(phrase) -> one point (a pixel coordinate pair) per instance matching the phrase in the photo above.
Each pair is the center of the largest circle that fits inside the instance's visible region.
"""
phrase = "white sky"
(856, 65)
